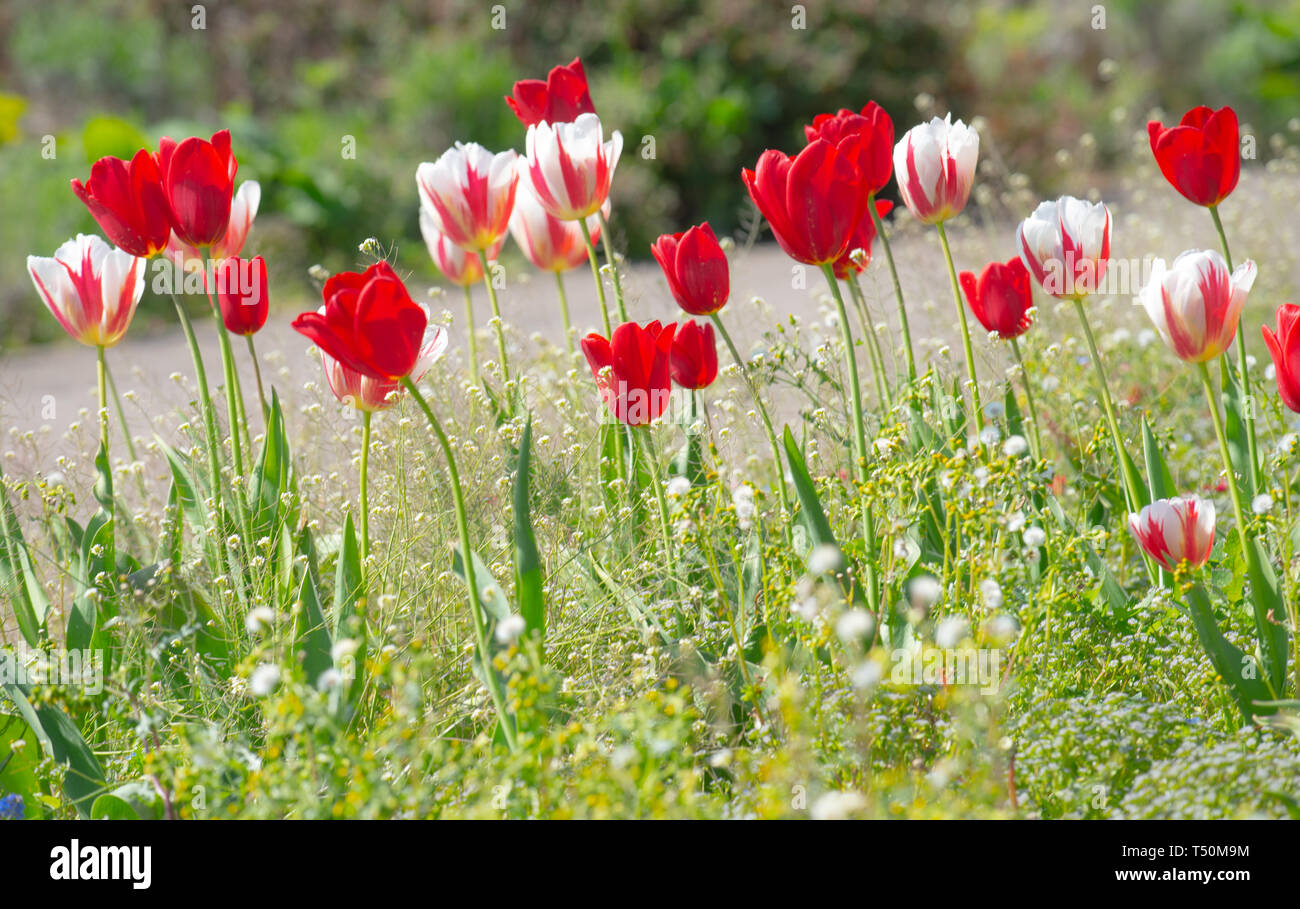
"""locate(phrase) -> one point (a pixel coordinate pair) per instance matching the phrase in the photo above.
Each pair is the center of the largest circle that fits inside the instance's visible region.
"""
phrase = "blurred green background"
(713, 82)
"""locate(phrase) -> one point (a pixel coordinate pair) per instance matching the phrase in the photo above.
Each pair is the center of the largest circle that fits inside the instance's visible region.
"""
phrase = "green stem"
(859, 435)
(467, 563)
(595, 276)
(1029, 401)
(497, 322)
(778, 461)
(564, 313)
(965, 330)
(472, 332)
(205, 400)
(613, 266)
(665, 523)
(1248, 411)
(873, 342)
(898, 288)
(365, 490)
(257, 371)
(101, 371)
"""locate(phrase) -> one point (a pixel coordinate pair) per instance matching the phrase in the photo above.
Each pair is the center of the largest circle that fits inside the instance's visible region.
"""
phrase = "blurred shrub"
(704, 85)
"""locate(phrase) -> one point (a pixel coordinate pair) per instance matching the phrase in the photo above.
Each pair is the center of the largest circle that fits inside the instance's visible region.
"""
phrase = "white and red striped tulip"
(90, 287)
(934, 164)
(1195, 303)
(1065, 244)
(1175, 530)
(548, 242)
(460, 266)
(571, 165)
(470, 192)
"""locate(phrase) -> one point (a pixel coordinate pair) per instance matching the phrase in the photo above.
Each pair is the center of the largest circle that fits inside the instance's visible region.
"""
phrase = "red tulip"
(560, 99)
(632, 370)
(242, 294)
(875, 155)
(1201, 156)
(199, 179)
(693, 358)
(1001, 297)
(696, 269)
(1284, 345)
(128, 202)
(813, 201)
(863, 238)
(370, 323)
(370, 395)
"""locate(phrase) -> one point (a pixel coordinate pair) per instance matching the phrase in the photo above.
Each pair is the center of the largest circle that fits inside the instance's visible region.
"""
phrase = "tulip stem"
(1243, 376)
(497, 323)
(101, 372)
(1029, 401)
(1254, 568)
(965, 329)
(472, 332)
(257, 371)
(205, 400)
(613, 265)
(564, 313)
(467, 564)
(873, 343)
(365, 493)
(898, 287)
(778, 460)
(665, 524)
(126, 431)
(859, 436)
(595, 274)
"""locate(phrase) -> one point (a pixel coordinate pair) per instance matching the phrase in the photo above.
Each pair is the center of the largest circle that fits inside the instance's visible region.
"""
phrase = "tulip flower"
(1175, 530)
(863, 238)
(632, 370)
(1066, 246)
(814, 201)
(877, 134)
(469, 192)
(693, 357)
(369, 323)
(1284, 345)
(90, 288)
(368, 394)
(549, 243)
(458, 265)
(571, 165)
(243, 209)
(1201, 156)
(198, 178)
(696, 269)
(128, 203)
(1001, 297)
(935, 166)
(242, 294)
(1195, 303)
(562, 98)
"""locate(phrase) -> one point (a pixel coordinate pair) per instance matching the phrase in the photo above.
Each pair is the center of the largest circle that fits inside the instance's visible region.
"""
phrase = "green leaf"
(272, 477)
(528, 562)
(1235, 427)
(1266, 600)
(1111, 591)
(1158, 476)
(311, 635)
(347, 574)
(18, 769)
(1237, 669)
(18, 577)
(810, 506)
(137, 801)
(1015, 423)
(59, 738)
(490, 593)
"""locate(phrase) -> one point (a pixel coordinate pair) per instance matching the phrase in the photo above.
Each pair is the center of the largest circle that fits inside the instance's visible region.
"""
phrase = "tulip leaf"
(1237, 669)
(810, 507)
(1235, 427)
(1269, 612)
(135, 801)
(18, 577)
(491, 595)
(348, 586)
(1158, 476)
(60, 739)
(311, 634)
(1111, 591)
(1015, 422)
(272, 477)
(528, 562)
